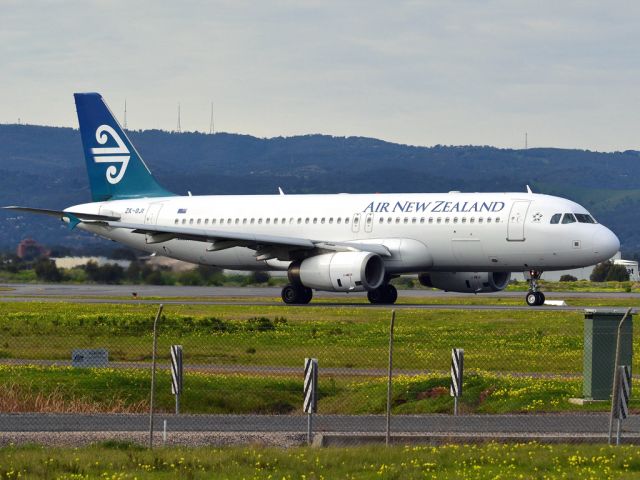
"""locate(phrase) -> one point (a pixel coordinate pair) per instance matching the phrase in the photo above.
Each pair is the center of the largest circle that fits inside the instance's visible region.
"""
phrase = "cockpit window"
(568, 218)
(584, 218)
(556, 218)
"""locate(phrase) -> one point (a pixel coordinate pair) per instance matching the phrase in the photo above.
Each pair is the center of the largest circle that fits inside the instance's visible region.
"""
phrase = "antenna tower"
(211, 129)
(125, 113)
(526, 140)
(179, 128)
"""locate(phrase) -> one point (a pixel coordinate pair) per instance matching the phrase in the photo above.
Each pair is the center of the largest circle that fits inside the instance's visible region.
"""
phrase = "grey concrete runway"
(476, 424)
(180, 295)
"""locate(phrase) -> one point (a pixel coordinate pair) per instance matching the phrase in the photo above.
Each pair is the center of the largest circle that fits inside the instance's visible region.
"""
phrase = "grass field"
(64, 389)
(497, 345)
(507, 341)
(124, 461)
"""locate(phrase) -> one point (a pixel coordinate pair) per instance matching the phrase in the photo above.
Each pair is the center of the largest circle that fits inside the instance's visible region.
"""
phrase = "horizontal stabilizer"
(64, 213)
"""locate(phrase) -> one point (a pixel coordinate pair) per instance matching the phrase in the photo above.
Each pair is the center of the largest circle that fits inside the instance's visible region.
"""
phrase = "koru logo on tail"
(119, 154)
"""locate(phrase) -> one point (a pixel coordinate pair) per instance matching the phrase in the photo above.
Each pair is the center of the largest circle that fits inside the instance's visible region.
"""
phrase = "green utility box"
(600, 333)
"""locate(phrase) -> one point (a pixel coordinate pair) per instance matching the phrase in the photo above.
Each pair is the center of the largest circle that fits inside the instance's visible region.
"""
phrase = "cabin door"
(515, 229)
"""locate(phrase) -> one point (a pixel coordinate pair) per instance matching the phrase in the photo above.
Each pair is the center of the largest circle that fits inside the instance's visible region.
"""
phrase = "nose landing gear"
(534, 298)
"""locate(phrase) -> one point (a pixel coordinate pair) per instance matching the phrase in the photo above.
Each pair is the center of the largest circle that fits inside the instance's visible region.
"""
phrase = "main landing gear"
(385, 294)
(296, 295)
(534, 297)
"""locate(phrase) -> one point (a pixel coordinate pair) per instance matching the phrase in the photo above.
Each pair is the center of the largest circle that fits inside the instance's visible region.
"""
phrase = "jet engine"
(466, 282)
(339, 272)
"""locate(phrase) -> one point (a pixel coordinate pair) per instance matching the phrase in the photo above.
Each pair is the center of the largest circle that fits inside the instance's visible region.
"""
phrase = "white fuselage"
(424, 232)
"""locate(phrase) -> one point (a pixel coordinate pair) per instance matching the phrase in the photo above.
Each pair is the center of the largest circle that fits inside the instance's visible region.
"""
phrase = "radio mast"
(125, 113)
(211, 129)
(179, 128)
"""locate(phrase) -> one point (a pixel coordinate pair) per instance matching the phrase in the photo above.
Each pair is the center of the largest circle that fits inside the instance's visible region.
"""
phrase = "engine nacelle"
(466, 282)
(339, 272)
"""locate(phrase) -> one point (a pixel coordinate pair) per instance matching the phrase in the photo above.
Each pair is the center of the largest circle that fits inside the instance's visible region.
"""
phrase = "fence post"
(457, 366)
(310, 391)
(153, 374)
(389, 390)
(616, 377)
(176, 374)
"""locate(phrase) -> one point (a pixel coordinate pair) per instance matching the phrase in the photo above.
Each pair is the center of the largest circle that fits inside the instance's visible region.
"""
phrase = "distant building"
(73, 262)
(28, 249)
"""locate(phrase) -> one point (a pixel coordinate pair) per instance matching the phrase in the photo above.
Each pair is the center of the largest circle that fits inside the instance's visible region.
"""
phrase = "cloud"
(414, 72)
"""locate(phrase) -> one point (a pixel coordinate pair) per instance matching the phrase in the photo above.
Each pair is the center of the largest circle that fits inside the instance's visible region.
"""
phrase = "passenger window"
(306, 220)
(389, 220)
(346, 220)
(381, 220)
(397, 219)
(339, 220)
(191, 221)
(497, 219)
(322, 220)
(199, 220)
(556, 218)
(421, 219)
(275, 221)
(237, 221)
(480, 220)
(406, 220)
(430, 219)
(568, 218)
(455, 219)
(331, 220)
(414, 220)
(244, 221)
(206, 221)
(472, 220)
(439, 220)
(488, 219)
(259, 221)
(464, 219)
(213, 221)
(268, 221)
(315, 220)
(446, 220)
(176, 222)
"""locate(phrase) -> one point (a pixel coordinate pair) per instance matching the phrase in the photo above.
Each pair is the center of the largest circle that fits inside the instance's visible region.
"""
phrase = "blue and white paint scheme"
(462, 242)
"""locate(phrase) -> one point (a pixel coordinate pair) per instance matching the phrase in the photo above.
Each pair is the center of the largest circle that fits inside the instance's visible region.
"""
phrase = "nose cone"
(605, 243)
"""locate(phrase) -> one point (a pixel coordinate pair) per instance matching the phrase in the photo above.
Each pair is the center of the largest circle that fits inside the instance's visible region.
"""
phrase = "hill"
(44, 166)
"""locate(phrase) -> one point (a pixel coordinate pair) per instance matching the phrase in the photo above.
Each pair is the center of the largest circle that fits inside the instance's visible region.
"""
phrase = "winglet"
(529, 189)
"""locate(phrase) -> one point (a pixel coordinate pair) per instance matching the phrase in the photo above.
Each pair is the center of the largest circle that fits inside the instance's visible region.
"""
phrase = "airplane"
(457, 242)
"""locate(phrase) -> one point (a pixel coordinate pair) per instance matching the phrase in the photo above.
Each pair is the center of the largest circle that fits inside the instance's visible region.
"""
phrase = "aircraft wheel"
(532, 299)
(541, 298)
(383, 295)
(391, 294)
(307, 295)
(375, 296)
(294, 295)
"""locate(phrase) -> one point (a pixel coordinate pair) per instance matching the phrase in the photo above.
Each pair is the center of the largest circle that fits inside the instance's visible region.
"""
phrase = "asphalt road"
(470, 424)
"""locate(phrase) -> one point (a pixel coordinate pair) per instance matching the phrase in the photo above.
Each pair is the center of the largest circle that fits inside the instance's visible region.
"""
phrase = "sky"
(565, 73)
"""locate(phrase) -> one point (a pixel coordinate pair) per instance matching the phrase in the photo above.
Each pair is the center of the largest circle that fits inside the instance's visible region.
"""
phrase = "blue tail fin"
(115, 168)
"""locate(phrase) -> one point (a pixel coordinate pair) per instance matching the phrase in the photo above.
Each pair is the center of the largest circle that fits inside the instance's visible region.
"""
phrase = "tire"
(541, 298)
(532, 299)
(391, 294)
(375, 296)
(290, 295)
(307, 295)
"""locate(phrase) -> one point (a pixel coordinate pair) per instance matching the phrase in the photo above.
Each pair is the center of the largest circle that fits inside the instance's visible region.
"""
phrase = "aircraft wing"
(266, 246)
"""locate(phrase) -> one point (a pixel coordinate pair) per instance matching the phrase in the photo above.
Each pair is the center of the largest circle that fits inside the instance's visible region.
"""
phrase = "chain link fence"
(67, 367)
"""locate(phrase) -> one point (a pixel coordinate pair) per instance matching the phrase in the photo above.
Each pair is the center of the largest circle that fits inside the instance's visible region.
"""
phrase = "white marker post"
(310, 404)
(176, 374)
(457, 364)
(624, 392)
